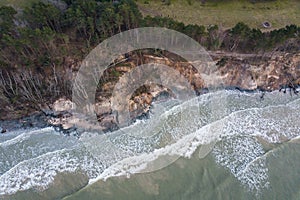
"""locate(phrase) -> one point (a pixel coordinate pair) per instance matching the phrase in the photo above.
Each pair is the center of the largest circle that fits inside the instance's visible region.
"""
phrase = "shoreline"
(231, 117)
(40, 119)
(279, 72)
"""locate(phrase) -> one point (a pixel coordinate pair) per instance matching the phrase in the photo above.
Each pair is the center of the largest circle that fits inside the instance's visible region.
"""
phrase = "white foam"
(246, 122)
(39, 172)
(245, 159)
(256, 119)
(25, 135)
(32, 144)
(184, 147)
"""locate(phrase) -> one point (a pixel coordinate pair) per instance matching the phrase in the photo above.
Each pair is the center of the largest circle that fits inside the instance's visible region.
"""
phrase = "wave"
(40, 172)
(31, 144)
(247, 124)
(117, 154)
(25, 134)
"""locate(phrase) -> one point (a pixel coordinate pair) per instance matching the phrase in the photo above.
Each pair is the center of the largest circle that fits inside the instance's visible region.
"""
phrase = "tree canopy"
(44, 33)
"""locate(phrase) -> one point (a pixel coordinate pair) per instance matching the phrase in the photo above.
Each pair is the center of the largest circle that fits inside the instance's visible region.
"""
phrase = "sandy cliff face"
(249, 72)
(245, 71)
(275, 72)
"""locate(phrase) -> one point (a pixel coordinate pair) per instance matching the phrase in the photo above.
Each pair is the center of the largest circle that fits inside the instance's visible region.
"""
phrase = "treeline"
(35, 43)
(168, 2)
(44, 34)
(239, 38)
(243, 38)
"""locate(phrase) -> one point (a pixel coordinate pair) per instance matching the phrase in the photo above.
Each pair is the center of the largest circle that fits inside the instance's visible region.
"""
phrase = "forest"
(37, 40)
(42, 33)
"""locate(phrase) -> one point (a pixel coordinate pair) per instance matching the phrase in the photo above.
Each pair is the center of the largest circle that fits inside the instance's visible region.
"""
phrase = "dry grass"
(17, 3)
(227, 13)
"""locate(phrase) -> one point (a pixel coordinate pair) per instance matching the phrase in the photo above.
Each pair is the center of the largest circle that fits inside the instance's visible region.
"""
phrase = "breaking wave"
(233, 130)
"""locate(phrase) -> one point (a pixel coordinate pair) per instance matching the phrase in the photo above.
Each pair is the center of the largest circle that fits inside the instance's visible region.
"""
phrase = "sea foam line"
(139, 163)
(26, 135)
(202, 136)
(13, 180)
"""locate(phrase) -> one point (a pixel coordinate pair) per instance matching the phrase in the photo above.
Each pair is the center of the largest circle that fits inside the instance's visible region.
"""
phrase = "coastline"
(282, 99)
(237, 72)
(40, 119)
(162, 120)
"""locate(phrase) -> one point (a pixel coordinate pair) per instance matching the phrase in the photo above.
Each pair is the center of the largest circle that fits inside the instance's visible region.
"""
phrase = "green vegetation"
(36, 42)
(18, 3)
(227, 13)
(49, 34)
(240, 38)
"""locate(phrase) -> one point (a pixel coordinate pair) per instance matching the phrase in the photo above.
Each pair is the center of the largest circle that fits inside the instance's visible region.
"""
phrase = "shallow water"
(188, 179)
(246, 144)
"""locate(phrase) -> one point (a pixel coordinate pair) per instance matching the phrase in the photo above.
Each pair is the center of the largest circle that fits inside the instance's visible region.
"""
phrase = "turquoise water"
(222, 145)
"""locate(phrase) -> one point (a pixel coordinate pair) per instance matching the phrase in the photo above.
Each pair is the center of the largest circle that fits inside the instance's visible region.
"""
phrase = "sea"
(226, 144)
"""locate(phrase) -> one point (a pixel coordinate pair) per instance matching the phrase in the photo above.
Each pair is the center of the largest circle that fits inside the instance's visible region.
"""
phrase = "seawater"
(222, 145)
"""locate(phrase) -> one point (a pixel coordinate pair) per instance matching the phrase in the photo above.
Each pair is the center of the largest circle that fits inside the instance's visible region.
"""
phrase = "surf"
(151, 144)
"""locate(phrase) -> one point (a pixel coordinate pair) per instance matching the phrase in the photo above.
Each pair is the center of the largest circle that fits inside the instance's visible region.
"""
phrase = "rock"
(123, 69)
(108, 87)
(140, 105)
(103, 107)
(67, 126)
(197, 81)
(38, 120)
(158, 60)
(267, 75)
(244, 72)
(133, 105)
(63, 104)
(147, 98)
(2, 130)
(61, 116)
(109, 122)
